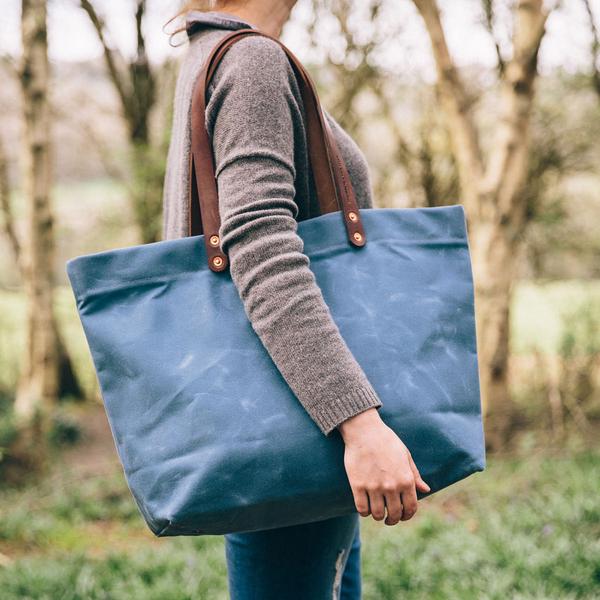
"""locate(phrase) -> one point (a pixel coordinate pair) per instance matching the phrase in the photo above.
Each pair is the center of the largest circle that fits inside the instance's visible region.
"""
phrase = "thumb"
(418, 479)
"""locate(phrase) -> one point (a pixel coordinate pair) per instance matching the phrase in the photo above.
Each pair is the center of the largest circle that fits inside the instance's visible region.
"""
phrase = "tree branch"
(142, 83)
(488, 11)
(111, 56)
(506, 172)
(457, 105)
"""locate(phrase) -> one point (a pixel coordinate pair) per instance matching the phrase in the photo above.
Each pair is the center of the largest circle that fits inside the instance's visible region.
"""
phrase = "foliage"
(561, 188)
(526, 528)
(64, 430)
(194, 570)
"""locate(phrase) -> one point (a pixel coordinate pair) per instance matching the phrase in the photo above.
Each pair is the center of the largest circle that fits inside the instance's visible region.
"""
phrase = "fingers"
(409, 502)
(377, 504)
(361, 501)
(394, 508)
(383, 478)
(399, 499)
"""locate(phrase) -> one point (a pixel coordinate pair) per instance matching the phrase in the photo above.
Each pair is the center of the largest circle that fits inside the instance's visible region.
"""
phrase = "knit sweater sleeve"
(250, 117)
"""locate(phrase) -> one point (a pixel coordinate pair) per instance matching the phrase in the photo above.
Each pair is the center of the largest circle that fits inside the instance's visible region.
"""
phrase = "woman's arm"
(252, 115)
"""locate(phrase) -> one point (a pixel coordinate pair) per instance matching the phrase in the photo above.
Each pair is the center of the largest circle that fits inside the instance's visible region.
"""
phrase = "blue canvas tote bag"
(211, 438)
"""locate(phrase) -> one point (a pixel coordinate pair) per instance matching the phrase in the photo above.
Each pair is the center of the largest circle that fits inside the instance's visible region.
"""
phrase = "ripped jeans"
(311, 561)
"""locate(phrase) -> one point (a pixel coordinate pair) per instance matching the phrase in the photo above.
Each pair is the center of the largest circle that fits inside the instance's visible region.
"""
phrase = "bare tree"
(492, 190)
(352, 78)
(357, 73)
(37, 389)
(46, 369)
(135, 84)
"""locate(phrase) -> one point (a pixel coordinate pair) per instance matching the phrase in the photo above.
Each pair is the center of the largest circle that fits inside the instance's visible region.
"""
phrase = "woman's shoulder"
(257, 53)
(250, 61)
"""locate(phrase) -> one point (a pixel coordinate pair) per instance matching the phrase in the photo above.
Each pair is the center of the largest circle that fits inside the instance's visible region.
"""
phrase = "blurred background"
(491, 104)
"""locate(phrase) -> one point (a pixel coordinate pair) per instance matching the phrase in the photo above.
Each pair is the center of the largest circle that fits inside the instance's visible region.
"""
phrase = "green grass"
(539, 311)
(523, 529)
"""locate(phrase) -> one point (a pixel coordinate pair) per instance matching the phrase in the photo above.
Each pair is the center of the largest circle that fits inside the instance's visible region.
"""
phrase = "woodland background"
(492, 104)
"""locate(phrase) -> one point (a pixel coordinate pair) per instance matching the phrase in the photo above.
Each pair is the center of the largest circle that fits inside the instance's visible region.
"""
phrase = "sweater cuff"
(330, 415)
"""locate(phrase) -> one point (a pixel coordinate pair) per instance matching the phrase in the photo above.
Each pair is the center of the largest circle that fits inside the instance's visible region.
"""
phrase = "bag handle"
(332, 182)
(319, 157)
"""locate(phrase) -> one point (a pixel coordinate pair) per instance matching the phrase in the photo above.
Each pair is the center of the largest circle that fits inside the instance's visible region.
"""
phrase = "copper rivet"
(358, 237)
(217, 261)
(214, 240)
(353, 216)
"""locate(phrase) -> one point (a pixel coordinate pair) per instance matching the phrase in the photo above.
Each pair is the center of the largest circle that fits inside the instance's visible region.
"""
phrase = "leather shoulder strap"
(334, 189)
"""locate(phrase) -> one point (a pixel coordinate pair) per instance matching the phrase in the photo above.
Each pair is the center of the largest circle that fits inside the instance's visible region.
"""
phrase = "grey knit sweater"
(255, 118)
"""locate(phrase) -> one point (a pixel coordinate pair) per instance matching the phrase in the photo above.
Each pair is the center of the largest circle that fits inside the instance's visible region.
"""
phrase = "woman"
(255, 118)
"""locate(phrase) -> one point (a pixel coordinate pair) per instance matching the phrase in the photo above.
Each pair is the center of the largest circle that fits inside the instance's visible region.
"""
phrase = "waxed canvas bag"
(211, 438)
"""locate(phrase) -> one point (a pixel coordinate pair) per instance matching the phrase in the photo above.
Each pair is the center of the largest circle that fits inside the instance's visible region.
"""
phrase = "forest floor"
(527, 527)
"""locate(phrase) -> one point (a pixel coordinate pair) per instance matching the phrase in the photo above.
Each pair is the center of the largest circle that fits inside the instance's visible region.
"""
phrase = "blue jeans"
(311, 561)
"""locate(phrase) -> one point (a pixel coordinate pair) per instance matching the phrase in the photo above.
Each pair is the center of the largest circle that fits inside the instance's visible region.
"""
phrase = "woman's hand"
(380, 469)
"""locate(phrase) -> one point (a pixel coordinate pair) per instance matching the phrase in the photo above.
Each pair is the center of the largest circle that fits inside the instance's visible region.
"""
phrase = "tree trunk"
(37, 389)
(147, 177)
(68, 382)
(492, 193)
(494, 262)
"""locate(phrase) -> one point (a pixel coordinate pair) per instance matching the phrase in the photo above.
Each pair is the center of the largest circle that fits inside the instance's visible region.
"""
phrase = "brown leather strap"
(334, 189)
(352, 220)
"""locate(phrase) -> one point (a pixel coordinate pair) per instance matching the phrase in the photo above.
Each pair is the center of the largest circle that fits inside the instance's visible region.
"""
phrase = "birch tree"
(37, 388)
(492, 190)
(45, 354)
